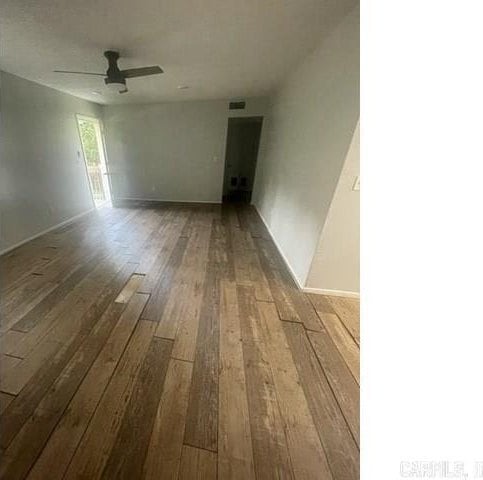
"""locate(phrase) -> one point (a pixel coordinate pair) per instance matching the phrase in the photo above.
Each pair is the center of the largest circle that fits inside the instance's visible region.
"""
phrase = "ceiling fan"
(115, 79)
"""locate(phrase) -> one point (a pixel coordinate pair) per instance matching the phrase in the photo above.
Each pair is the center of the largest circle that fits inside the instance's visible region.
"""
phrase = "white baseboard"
(159, 200)
(43, 232)
(287, 264)
(320, 291)
(332, 293)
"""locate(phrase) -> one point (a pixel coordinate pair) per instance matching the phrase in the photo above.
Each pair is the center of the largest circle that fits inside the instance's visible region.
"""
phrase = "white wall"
(43, 178)
(170, 151)
(335, 267)
(304, 143)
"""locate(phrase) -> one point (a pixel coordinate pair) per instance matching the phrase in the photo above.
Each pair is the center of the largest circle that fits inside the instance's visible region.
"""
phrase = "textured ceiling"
(219, 48)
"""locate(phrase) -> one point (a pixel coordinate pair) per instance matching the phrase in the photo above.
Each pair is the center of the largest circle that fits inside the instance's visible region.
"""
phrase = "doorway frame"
(101, 145)
(240, 119)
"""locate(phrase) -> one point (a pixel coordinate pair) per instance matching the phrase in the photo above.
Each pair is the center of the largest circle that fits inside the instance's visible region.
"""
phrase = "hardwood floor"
(171, 342)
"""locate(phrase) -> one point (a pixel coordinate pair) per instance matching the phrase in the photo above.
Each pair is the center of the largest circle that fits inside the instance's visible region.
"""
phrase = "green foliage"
(89, 142)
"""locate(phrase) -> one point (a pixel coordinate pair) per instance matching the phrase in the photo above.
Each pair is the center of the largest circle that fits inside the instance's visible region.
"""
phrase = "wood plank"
(64, 440)
(306, 451)
(186, 232)
(127, 456)
(339, 445)
(8, 365)
(269, 255)
(241, 240)
(28, 443)
(25, 301)
(292, 304)
(16, 266)
(283, 300)
(99, 438)
(202, 419)
(260, 282)
(21, 344)
(13, 380)
(73, 306)
(97, 304)
(5, 400)
(305, 310)
(221, 250)
(235, 457)
(157, 302)
(153, 244)
(81, 321)
(248, 271)
(130, 288)
(167, 260)
(233, 219)
(62, 290)
(165, 447)
(342, 382)
(348, 311)
(279, 292)
(243, 219)
(270, 451)
(150, 249)
(68, 260)
(9, 340)
(321, 303)
(241, 267)
(188, 323)
(179, 320)
(197, 464)
(344, 342)
(21, 409)
(133, 237)
(255, 224)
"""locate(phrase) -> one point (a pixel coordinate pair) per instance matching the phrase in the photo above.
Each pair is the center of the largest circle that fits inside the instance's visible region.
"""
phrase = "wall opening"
(243, 140)
(95, 158)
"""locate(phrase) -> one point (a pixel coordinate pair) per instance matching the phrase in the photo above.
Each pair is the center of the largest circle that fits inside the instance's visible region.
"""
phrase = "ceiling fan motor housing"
(113, 74)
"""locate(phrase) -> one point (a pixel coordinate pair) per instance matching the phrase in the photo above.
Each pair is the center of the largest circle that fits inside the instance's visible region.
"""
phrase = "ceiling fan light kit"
(116, 87)
(115, 79)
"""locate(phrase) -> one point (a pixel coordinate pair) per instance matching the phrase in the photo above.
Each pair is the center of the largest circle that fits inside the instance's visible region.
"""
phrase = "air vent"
(237, 105)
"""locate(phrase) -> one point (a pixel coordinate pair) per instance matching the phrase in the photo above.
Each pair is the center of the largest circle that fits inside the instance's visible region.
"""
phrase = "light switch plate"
(356, 187)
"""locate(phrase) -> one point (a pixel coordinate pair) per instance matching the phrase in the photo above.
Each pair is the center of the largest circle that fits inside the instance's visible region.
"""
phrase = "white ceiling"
(219, 48)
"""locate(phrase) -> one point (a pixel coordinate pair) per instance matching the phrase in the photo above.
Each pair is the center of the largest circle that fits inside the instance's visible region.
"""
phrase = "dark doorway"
(242, 144)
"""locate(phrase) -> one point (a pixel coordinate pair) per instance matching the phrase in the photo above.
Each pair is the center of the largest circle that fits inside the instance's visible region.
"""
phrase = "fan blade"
(80, 73)
(141, 72)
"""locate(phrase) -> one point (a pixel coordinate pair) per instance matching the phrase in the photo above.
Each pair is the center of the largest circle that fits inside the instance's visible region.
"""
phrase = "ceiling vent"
(237, 105)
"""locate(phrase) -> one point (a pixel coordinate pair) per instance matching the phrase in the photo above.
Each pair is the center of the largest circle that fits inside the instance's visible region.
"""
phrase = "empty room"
(179, 239)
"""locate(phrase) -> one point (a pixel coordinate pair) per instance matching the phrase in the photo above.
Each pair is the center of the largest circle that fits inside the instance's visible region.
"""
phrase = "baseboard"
(332, 293)
(287, 264)
(320, 291)
(43, 232)
(140, 202)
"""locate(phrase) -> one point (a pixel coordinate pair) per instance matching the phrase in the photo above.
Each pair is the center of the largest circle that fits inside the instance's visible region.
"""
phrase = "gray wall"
(170, 151)
(305, 140)
(43, 179)
(335, 267)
